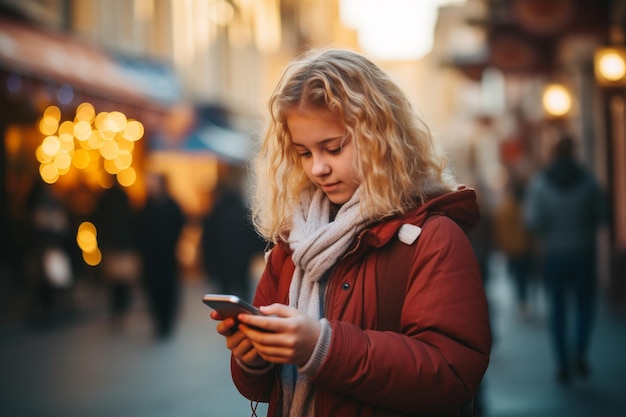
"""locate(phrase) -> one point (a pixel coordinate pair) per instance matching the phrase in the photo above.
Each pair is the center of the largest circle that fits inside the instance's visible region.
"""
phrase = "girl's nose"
(320, 166)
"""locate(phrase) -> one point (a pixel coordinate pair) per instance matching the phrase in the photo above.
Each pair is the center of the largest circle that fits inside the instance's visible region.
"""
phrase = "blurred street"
(84, 369)
(520, 380)
(102, 98)
(87, 369)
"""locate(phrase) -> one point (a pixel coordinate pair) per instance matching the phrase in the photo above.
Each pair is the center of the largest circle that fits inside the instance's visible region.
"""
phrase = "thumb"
(278, 310)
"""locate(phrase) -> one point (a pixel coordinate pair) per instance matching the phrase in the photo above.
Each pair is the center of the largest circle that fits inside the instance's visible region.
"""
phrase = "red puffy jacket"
(435, 364)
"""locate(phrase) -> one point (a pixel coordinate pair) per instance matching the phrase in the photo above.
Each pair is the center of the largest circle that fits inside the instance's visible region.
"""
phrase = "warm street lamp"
(610, 66)
(557, 100)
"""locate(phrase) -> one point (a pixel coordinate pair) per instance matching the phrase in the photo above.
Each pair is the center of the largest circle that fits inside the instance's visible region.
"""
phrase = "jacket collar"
(459, 205)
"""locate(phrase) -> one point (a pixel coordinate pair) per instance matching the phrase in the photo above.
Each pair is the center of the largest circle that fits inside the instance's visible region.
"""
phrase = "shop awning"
(31, 52)
(227, 144)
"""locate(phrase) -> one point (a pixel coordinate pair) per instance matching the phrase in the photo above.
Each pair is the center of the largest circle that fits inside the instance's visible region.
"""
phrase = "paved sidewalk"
(84, 369)
(520, 380)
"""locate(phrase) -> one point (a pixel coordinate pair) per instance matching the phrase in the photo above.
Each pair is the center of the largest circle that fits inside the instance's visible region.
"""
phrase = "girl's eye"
(304, 154)
(334, 151)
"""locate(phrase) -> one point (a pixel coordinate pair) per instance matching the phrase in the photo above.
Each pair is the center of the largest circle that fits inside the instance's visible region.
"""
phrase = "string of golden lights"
(101, 144)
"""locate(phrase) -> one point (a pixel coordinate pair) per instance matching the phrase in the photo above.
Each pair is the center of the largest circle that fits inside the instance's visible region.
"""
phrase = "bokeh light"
(92, 142)
(98, 145)
(612, 66)
(133, 131)
(127, 177)
(557, 100)
(92, 258)
(50, 146)
(49, 172)
(87, 241)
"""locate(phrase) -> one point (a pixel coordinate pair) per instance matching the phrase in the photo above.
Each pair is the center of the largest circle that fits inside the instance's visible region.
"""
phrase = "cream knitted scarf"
(317, 243)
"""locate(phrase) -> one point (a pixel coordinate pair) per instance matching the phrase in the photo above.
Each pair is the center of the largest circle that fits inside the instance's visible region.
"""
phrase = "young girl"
(356, 199)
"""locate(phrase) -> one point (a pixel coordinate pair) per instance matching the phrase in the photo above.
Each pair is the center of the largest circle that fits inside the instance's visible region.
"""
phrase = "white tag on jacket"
(267, 253)
(408, 233)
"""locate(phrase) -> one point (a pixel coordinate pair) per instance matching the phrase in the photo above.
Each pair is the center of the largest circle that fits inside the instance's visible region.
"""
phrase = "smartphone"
(229, 305)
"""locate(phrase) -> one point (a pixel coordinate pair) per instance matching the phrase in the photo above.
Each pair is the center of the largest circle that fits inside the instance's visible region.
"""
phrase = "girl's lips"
(329, 187)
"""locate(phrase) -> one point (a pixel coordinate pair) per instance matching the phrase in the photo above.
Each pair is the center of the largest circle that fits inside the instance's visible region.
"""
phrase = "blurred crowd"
(140, 258)
(546, 226)
(543, 224)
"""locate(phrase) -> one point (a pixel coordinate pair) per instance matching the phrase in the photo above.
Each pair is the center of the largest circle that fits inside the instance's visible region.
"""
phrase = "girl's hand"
(282, 335)
(237, 342)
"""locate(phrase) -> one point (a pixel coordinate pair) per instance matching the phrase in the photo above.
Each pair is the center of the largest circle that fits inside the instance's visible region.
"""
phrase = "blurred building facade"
(532, 73)
(197, 75)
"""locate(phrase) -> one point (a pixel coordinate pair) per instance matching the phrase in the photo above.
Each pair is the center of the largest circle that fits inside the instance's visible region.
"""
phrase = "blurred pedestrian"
(229, 242)
(565, 206)
(372, 298)
(114, 220)
(160, 224)
(48, 267)
(513, 238)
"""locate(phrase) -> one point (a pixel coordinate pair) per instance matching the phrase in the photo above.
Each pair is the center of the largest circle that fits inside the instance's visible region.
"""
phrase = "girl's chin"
(338, 199)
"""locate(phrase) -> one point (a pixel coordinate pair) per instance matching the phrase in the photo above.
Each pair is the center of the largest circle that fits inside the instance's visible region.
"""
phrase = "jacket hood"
(459, 205)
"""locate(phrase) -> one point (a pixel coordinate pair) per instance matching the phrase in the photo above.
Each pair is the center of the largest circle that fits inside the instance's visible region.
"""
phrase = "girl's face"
(328, 160)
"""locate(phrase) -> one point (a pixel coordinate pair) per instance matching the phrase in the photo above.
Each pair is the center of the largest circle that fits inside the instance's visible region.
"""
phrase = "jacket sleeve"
(257, 386)
(438, 361)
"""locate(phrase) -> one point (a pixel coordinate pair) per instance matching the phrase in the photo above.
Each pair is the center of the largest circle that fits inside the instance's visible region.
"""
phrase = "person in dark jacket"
(160, 224)
(358, 202)
(48, 267)
(564, 208)
(114, 219)
(229, 243)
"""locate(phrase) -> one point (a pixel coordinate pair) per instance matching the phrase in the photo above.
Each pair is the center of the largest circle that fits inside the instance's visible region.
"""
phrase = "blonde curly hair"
(398, 164)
